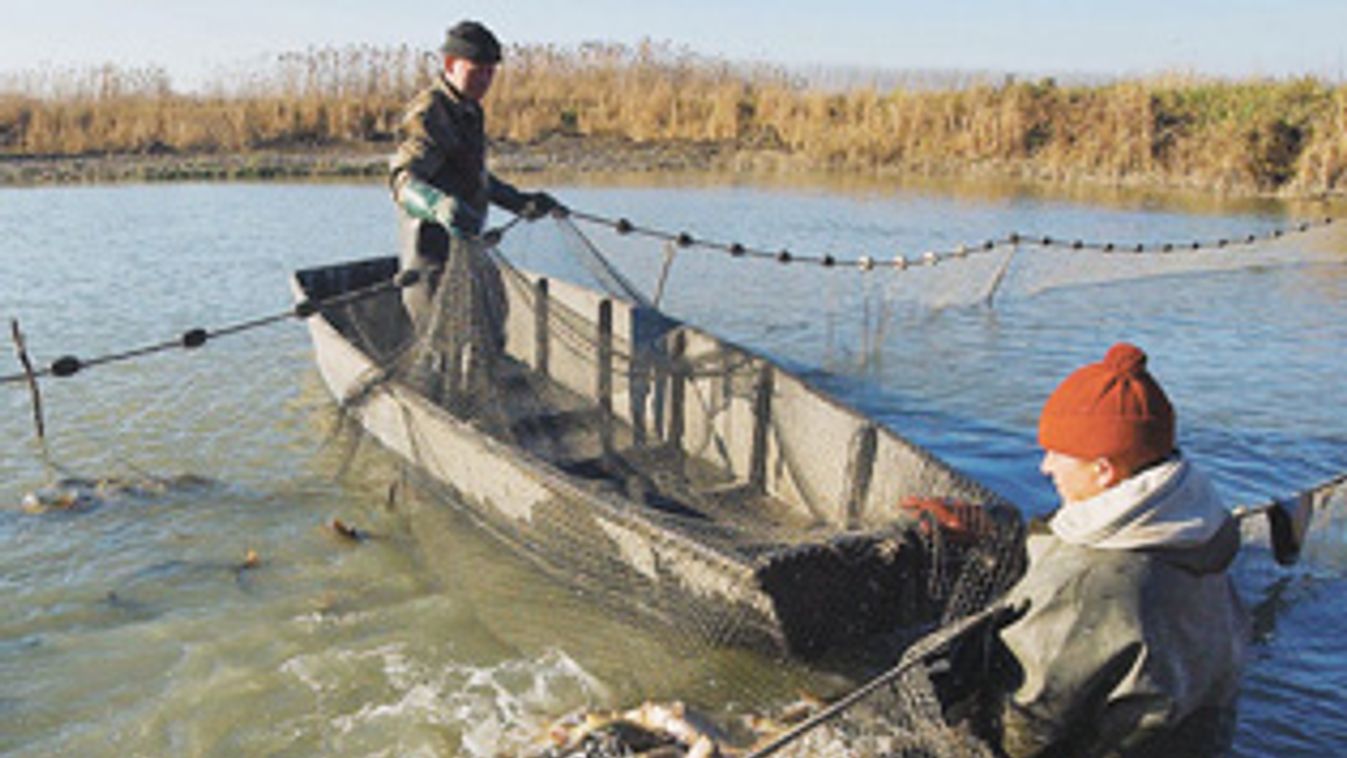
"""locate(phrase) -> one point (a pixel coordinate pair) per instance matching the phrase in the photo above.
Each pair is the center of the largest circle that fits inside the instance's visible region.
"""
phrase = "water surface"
(133, 628)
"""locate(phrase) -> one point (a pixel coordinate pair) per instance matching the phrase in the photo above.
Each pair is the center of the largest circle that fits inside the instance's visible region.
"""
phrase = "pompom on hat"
(1112, 409)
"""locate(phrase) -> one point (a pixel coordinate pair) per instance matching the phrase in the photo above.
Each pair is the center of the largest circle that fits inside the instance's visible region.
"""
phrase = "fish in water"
(74, 493)
(649, 729)
(347, 531)
(130, 608)
(668, 729)
(244, 570)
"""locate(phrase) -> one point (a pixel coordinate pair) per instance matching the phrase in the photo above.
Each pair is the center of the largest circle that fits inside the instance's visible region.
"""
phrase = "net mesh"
(679, 480)
(1016, 271)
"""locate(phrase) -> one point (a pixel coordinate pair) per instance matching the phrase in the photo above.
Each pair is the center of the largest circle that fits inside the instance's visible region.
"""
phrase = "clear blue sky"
(194, 39)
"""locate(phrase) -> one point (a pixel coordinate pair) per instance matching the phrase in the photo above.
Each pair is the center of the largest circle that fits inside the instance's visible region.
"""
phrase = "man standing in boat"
(442, 189)
(439, 177)
(1134, 636)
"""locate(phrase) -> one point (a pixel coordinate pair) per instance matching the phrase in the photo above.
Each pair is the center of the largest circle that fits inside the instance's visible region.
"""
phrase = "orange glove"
(961, 522)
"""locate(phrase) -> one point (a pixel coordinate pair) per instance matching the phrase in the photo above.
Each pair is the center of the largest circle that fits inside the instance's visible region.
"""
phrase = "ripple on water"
(119, 623)
(479, 710)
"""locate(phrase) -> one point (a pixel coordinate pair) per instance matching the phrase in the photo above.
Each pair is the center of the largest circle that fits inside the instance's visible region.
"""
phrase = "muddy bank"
(369, 160)
(562, 157)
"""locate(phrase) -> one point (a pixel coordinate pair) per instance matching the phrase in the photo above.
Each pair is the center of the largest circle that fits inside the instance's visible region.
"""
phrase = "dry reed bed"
(1286, 136)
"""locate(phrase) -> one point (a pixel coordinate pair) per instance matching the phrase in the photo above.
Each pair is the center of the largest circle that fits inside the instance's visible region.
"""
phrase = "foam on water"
(479, 710)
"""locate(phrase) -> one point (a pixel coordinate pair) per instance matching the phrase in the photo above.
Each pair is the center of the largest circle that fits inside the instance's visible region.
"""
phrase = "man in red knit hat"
(1134, 636)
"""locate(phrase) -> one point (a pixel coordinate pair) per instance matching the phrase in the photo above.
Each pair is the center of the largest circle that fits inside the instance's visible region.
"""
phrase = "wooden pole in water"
(21, 349)
(1000, 275)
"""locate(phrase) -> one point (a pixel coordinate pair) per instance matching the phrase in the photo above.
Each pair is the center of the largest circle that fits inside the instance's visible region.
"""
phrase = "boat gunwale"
(624, 507)
(568, 486)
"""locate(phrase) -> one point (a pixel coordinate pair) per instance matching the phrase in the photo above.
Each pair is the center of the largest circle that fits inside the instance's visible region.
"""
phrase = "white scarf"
(1171, 505)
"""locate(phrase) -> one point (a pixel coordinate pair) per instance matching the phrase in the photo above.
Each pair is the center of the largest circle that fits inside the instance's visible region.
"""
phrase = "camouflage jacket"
(444, 145)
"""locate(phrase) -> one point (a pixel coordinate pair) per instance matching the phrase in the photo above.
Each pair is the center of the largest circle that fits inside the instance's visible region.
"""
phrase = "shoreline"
(557, 155)
(571, 157)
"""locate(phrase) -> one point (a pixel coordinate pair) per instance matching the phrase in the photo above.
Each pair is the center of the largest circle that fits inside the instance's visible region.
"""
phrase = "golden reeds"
(1264, 135)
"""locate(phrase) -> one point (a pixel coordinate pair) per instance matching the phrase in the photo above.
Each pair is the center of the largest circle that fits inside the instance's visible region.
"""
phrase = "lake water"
(134, 628)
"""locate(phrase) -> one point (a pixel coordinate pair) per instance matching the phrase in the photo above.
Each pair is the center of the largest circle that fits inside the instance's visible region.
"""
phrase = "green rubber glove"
(423, 201)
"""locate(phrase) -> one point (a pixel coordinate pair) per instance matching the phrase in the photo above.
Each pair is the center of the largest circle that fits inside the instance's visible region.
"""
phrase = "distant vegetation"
(1252, 136)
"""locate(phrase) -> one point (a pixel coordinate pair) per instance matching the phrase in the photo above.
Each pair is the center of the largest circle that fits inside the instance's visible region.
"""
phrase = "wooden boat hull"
(837, 566)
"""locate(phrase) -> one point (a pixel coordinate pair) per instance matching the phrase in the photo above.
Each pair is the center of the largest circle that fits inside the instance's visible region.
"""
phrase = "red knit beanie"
(1112, 409)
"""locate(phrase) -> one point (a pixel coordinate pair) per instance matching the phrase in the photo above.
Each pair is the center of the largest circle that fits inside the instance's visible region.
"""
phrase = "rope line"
(932, 257)
(68, 365)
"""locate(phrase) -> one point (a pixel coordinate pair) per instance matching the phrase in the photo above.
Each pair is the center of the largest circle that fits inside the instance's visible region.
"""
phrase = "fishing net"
(1018, 268)
(686, 484)
(1060, 265)
(675, 479)
(953, 275)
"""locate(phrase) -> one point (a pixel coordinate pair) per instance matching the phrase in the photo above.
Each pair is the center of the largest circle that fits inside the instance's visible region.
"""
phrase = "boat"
(672, 475)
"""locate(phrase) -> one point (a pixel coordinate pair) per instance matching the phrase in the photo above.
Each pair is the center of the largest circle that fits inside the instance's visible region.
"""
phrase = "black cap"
(471, 40)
